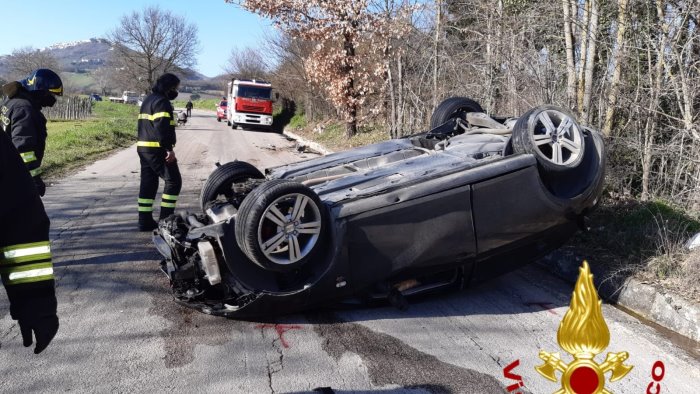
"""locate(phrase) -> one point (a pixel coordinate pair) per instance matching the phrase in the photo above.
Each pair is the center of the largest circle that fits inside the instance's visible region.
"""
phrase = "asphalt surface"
(121, 331)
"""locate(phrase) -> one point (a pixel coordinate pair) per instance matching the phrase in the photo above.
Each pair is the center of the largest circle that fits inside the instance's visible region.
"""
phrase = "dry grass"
(331, 134)
(644, 240)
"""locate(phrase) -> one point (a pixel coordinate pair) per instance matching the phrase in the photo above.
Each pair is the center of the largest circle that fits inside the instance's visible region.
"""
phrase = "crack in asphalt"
(391, 361)
(274, 366)
(9, 335)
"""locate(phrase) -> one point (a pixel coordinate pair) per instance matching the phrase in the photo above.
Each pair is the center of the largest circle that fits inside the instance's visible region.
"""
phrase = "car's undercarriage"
(388, 220)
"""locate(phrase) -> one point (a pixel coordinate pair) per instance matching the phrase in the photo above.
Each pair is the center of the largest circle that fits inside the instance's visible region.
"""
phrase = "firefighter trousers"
(153, 166)
(25, 252)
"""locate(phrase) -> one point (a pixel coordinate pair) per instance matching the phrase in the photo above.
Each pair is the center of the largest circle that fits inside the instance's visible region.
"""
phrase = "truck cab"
(249, 103)
(130, 97)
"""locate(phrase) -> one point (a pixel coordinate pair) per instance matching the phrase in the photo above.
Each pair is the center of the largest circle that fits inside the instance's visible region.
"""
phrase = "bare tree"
(152, 42)
(291, 80)
(23, 60)
(629, 67)
(589, 40)
(247, 63)
(103, 79)
(618, 56)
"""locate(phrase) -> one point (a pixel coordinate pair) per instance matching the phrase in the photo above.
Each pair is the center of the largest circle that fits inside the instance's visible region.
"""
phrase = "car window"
(254, 92)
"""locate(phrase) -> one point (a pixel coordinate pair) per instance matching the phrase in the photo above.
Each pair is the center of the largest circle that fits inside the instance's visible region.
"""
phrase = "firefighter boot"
(146, 222)
(165, 212)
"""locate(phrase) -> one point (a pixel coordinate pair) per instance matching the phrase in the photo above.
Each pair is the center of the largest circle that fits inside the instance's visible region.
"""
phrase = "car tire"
(228, 122)
(540, 132)
(221, 179)
(453, 107)
(218, 119)
(280, 225)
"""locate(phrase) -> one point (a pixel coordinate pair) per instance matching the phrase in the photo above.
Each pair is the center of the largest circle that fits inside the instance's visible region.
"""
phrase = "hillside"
(78, 61)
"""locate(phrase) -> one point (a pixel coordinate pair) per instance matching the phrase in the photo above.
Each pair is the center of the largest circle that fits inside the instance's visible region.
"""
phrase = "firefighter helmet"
(43, 79)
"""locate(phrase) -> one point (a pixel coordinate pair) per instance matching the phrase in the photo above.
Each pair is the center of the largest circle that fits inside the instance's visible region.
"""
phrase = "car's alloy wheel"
(289, 229)
(552, 135)
(280, 225)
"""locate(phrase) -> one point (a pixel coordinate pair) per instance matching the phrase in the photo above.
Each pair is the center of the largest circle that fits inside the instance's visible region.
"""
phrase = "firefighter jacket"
(25, 254)
(22, 119)
(156, 124)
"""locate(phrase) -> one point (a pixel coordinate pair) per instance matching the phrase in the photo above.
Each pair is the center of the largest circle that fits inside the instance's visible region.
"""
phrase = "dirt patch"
(391, 361)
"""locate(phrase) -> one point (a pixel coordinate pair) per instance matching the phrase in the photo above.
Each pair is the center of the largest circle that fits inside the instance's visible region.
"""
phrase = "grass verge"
(645, 240)
(331, 134)
(71, 144)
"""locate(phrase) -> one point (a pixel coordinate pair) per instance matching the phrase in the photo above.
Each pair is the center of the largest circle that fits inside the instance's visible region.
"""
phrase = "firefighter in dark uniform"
(25, 254)
(156, 127)
(21, 117)
(188, 107)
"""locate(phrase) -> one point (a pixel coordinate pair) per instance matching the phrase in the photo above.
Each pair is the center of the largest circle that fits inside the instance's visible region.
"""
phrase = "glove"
(40, 185)
(43, 327)
(33, 305)
(170, 157)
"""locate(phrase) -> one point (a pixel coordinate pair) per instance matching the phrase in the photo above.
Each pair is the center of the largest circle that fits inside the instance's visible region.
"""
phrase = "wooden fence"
(69, 108)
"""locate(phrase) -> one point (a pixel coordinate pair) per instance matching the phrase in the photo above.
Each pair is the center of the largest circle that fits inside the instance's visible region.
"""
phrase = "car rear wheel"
(218, 119)
(280, 225)
(220, 181)
(453, 107)
(552, 135)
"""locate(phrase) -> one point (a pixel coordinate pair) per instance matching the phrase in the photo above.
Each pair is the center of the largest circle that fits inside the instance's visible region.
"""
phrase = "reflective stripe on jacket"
(156, 125)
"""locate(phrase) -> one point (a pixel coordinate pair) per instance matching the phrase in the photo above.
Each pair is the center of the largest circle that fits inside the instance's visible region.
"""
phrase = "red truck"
(249, 103)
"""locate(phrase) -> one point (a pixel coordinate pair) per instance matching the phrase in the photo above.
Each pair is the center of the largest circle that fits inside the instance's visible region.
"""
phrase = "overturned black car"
(474, 197)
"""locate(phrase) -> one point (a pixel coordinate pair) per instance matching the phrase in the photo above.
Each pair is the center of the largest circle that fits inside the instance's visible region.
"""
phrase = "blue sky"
(40, 23)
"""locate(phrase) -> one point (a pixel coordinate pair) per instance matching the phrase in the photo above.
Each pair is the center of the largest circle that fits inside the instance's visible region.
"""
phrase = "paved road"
(120, 330)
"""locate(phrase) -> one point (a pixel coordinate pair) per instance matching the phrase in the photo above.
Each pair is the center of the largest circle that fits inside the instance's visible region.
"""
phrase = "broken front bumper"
(208, 272)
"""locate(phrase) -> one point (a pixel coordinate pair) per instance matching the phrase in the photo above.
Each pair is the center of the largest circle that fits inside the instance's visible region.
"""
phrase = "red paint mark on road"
(508, 374)
(544, 305)
(280, 329)
(508, 371)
